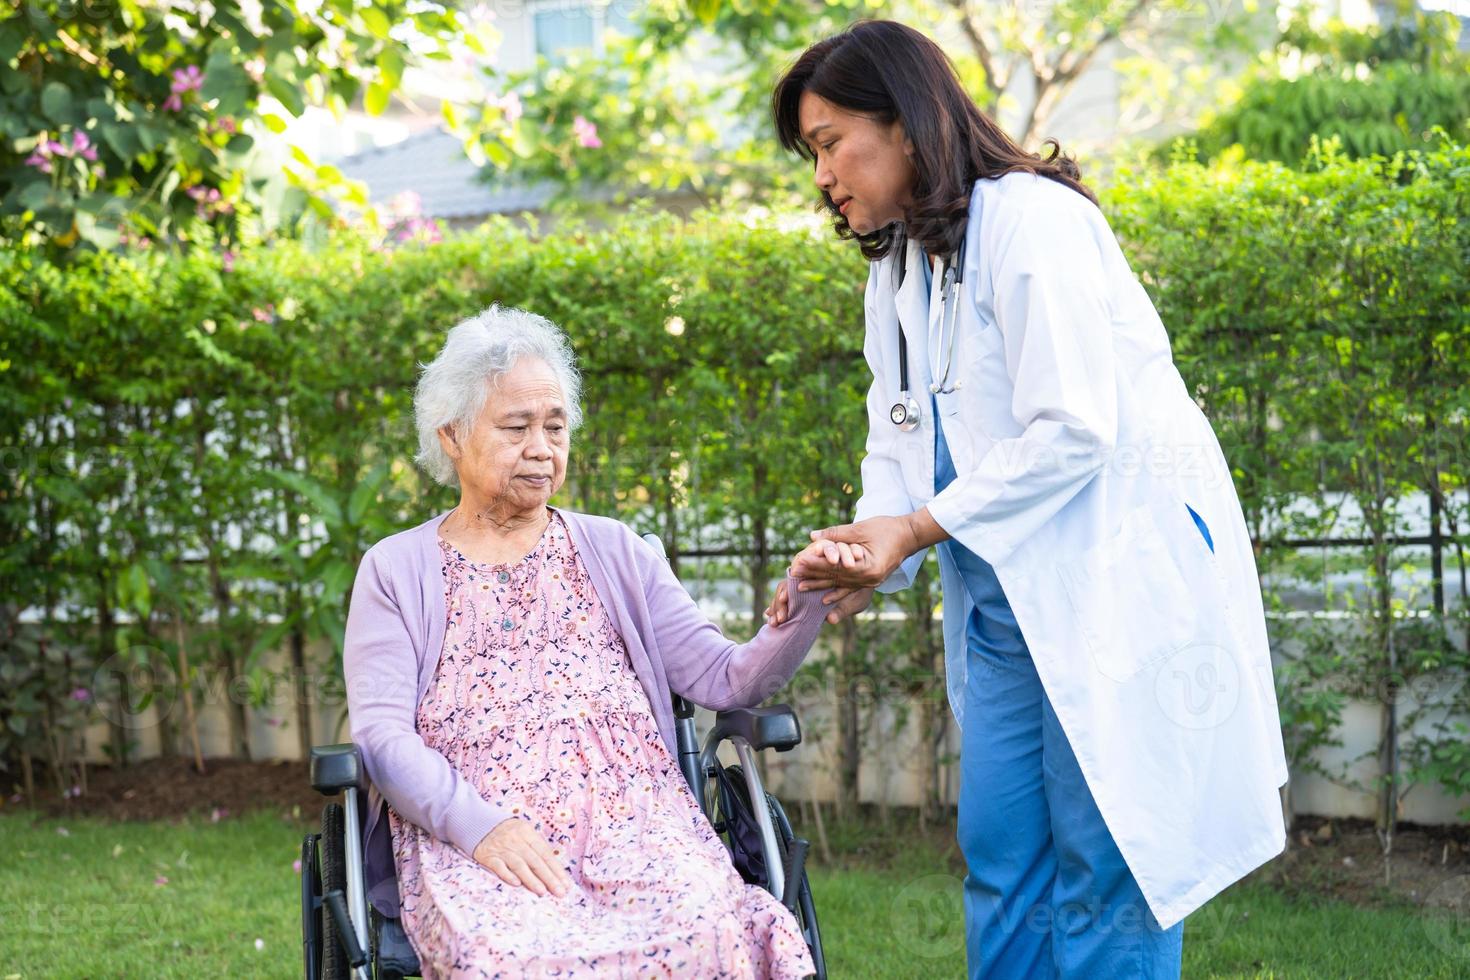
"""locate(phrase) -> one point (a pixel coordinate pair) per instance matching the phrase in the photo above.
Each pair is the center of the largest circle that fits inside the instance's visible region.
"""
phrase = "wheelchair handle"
(337, 905)
(790, 894)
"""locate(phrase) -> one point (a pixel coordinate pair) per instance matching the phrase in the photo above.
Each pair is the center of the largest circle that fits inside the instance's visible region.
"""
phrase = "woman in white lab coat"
(1105, 643)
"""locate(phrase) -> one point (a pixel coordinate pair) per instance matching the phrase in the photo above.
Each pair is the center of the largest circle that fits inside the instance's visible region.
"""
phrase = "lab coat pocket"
(1137, 596)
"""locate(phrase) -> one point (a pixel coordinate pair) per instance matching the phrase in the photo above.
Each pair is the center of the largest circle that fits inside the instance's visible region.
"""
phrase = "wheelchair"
(342, 936)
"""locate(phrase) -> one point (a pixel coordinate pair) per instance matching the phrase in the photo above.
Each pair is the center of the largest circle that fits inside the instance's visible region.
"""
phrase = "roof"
(433, 164)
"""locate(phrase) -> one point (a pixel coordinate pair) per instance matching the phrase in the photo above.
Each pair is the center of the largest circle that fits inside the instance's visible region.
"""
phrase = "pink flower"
(227, 261)
(296, 865)
(81, 145)
(40, 161)
(173, 104)
(406, 204)
(586, 133)
(55, 149)
(510, 107)
(160, 881)
(218, 814)
(266, 315)
(424, 229)
(81, 694)
(187, 79)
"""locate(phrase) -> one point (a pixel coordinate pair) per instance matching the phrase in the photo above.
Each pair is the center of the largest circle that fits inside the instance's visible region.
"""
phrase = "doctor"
(1105, 642)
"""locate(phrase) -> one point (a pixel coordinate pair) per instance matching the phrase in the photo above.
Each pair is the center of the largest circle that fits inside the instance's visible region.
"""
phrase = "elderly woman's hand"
(845, 601)
(518, 855)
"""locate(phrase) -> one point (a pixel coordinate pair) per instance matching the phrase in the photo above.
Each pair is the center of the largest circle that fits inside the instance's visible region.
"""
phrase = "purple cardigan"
(395, 631)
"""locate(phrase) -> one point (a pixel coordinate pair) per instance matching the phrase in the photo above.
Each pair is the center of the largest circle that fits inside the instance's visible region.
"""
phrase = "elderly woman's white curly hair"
(478, 351)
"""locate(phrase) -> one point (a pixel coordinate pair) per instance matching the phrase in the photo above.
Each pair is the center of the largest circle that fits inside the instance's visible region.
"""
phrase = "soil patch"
(1344, 859)
(170, 789)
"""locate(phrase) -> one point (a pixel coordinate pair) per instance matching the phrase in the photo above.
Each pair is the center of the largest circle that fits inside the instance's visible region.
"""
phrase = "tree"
(1377, 91)
(634, 121)
(120, 118)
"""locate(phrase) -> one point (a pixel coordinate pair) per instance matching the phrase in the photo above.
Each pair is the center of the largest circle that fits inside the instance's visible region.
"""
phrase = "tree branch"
(982, 50)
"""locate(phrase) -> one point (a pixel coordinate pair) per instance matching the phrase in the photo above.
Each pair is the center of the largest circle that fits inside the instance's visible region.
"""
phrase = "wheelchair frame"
(343, 912)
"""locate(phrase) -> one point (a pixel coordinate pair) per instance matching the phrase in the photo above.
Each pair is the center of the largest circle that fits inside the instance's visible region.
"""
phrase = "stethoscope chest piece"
(905, 413)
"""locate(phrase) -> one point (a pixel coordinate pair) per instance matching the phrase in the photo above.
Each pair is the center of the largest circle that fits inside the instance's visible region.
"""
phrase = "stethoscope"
(905, 412)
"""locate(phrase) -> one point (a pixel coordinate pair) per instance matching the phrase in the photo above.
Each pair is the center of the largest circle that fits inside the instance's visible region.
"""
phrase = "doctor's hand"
(856, 556)
(519, 855)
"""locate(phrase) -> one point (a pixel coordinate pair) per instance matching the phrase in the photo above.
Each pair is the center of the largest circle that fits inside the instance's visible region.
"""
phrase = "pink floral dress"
(535, 700)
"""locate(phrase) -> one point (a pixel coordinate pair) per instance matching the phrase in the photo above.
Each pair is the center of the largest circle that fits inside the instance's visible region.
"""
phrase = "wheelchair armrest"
(764, 728)
(335, 768)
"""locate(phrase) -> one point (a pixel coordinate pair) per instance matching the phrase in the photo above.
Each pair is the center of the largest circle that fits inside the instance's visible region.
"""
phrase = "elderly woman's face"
(515, 458)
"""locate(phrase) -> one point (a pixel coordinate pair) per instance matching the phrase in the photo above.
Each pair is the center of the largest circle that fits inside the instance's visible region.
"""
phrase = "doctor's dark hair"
(889, 72)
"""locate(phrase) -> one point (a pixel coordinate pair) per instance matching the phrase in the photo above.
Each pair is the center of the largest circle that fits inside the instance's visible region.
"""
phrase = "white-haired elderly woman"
(509, 667)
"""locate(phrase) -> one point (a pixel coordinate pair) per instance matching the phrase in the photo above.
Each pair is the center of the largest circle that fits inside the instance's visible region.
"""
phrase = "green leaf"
(56, 102)
(286, 92)
(376, 22)
(151, 135)
(498, 154)
(226, 81)
(320, 496)
(270, 639)
(376, 99)
(35, 195)
(103, 235)
(365, 493)
(12, 38)
(336, 578)
(123, 139)
(141, 591)
(390, 62)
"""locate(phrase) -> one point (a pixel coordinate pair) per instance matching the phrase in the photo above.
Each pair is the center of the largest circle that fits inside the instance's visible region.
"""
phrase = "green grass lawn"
(204, 900)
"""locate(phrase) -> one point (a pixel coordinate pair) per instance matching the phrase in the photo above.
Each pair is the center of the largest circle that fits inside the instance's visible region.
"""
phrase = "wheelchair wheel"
(724, 814)
(311, 905)
(334, 876)
(806, 910)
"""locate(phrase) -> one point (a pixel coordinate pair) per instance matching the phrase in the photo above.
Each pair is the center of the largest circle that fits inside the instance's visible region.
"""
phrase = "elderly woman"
(508, 667)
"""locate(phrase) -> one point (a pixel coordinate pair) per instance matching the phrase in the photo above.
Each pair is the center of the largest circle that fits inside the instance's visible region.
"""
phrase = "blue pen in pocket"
(1200, 522)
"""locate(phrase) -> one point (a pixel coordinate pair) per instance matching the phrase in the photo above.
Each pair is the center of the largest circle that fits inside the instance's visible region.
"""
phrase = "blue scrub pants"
(1048, 894)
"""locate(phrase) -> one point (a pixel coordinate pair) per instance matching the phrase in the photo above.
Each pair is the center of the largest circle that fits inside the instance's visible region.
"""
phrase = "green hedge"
(217, 446)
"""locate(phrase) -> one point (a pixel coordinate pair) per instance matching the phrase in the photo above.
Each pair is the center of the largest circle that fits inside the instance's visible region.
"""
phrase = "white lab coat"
(1077, 446)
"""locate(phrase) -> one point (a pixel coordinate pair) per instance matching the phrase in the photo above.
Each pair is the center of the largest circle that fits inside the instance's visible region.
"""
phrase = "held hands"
(853, 559)
(818, 566)
(518, 855)
(844, 603)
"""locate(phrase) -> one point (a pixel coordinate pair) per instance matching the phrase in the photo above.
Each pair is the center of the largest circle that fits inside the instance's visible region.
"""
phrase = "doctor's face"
(862, 165)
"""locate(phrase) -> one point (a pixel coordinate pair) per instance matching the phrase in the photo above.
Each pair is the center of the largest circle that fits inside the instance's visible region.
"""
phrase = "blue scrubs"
(1048, 894)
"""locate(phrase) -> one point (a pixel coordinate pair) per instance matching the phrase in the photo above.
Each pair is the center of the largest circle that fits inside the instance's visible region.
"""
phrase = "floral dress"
(535, 701)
